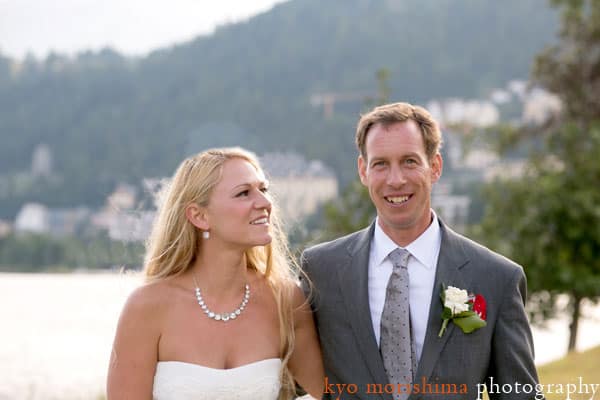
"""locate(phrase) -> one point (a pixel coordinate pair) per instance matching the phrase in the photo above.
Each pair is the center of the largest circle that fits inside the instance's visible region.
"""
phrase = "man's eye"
(377, 164)
(411, 161)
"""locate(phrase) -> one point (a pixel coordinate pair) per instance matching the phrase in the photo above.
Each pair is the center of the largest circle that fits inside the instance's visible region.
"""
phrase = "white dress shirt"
(421, 270)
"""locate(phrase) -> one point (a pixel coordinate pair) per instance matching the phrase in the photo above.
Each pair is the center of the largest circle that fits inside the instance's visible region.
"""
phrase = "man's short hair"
(388, 114)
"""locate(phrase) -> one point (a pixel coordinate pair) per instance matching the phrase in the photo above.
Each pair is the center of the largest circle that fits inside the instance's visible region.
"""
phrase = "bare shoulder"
(147, 302)
(290, 290)
(135, 347)
(300, 305)
(298, 297)
(147, 295)
(141, 322)
(306, 362)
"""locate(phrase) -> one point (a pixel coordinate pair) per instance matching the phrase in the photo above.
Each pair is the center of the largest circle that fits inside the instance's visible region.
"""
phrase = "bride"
(221, 315)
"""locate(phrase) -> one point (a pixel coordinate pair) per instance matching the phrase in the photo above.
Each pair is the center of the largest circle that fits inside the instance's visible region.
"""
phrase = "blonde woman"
(221, 315)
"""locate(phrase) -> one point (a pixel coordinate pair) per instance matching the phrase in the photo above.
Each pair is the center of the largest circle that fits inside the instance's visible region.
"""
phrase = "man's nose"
(396, 176)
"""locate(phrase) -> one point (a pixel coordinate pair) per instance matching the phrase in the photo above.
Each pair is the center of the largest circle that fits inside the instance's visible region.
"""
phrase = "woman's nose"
(263, 200)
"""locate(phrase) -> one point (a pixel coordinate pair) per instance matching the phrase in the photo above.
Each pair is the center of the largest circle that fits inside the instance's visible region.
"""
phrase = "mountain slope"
(108, 118)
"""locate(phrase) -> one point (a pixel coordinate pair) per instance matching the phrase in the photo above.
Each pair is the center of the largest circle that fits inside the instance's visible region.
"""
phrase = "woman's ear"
(197, 216)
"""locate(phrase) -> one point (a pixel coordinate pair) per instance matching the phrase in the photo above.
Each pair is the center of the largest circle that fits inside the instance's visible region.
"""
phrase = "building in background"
(59, 222)
(32, 218)
(121, 219)
(5, 228)
(452, 209)
(298, 185)
(41, 161)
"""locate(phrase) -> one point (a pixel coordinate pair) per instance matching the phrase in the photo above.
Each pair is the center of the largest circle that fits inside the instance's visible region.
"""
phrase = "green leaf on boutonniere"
(447, 313)
(468, 321)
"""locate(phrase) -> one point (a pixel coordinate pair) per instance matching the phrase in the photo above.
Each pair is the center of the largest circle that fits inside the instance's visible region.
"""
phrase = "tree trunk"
(574, 325)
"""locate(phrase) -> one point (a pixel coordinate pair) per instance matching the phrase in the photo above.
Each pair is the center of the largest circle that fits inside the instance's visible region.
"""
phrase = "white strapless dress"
(176, 380)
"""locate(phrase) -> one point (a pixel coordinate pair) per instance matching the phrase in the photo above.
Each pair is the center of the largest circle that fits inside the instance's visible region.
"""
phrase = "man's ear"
(437, 166)
(362, 170)
(197, 216)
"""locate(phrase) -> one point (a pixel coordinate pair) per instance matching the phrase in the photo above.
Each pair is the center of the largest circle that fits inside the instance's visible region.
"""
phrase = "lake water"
(56, 332)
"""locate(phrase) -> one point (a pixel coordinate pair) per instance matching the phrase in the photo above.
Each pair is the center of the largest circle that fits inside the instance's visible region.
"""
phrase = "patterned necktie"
(396, 345)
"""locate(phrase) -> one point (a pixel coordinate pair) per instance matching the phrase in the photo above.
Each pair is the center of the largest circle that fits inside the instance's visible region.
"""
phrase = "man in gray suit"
(355, 281)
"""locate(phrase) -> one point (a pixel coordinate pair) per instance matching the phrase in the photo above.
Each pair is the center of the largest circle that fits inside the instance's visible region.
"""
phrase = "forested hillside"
(108, 118)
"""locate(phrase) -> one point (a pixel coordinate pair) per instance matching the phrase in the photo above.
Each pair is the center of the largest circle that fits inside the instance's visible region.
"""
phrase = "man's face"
(399, 178)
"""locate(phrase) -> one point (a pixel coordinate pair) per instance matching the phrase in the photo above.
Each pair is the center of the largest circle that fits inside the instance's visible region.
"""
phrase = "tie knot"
(399, 257)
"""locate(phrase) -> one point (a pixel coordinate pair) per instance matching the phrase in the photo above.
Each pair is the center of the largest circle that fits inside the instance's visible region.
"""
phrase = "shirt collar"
(422, 248)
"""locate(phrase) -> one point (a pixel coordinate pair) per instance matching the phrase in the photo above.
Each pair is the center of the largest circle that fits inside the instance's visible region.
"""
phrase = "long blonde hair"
(173, 244)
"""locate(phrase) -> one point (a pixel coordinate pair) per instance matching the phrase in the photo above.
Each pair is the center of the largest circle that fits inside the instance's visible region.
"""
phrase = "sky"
(132, 27)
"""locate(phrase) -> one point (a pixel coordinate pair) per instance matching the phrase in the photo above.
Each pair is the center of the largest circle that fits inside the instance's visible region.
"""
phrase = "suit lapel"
(353, 278)
(450, 272)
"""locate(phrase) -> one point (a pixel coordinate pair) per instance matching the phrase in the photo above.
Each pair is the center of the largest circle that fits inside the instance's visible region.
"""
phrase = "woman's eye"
(242, 194)
(264, 190)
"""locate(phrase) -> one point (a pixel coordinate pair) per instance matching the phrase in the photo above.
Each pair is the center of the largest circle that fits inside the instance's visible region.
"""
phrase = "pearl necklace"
(227, 316)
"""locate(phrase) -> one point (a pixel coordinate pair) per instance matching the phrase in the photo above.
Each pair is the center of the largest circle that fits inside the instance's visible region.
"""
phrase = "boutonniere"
(466, 311)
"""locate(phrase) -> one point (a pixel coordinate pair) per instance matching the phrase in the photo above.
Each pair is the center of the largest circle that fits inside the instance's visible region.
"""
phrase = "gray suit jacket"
(503, 350)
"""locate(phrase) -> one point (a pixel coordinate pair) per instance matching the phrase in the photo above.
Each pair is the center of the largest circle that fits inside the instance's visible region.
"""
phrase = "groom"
(376, 295)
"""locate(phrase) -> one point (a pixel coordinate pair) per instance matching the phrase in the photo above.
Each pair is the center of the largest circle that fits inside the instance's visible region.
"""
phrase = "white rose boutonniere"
(463, 309)
(456, 300)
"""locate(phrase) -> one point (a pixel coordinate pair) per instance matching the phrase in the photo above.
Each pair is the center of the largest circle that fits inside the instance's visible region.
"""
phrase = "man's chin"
(396, 223)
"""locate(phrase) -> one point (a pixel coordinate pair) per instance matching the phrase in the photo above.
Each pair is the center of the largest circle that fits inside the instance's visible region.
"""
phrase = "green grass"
(569, 369)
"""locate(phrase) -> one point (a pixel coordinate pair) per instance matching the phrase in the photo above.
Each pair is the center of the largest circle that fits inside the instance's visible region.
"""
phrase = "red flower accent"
(479, 306)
